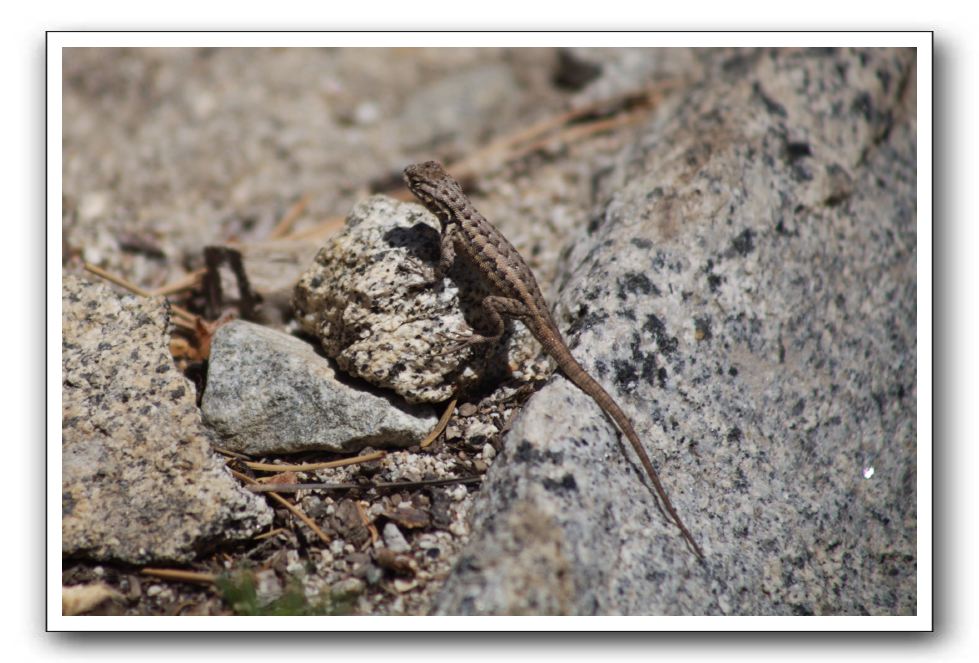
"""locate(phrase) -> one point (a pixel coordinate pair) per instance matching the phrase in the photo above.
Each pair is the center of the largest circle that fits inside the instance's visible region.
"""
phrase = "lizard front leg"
(447, 250)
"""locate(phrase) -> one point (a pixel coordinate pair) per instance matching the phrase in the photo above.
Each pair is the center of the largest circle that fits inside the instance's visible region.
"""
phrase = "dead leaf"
(408, 517)
(80, 599)
(283, 477)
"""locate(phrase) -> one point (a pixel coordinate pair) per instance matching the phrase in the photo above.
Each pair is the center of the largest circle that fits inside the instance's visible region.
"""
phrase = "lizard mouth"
(417, 189)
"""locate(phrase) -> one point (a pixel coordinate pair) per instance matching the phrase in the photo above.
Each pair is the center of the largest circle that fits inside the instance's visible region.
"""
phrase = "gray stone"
(140, 483)
(748, 295)
(394, 539)
(365, 299)
(268, 392)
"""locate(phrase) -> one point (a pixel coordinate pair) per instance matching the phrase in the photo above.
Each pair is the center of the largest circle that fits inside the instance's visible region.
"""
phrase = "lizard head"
(435, 188)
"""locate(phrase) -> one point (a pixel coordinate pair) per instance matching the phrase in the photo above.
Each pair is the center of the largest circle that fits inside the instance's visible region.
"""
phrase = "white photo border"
(922, 41)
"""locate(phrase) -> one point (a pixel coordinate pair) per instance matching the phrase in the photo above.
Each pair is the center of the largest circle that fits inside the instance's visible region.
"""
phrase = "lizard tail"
(580, 377)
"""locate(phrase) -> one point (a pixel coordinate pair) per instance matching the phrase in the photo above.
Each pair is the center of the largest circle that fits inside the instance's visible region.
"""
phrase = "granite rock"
(140, 483)
(748, 295)
(366, 300)
(268, 392)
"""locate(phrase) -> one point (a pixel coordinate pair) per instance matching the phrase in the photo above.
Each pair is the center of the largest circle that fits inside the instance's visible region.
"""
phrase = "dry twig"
(269, 534)
(188, 317)
(186, 282)
(560, 129)
(321, 229)
(367, 522)
(296, 487)
(229, 453)
(570, 126)
(179, 574)
(295, 510)
(284, 226)
(381, 485)
(440, 426)
(310, 467)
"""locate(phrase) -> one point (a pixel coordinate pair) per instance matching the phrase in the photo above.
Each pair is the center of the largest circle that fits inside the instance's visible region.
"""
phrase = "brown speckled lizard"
(518, 295)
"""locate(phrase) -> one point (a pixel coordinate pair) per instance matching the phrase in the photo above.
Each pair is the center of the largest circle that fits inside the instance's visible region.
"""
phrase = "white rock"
(394, 539)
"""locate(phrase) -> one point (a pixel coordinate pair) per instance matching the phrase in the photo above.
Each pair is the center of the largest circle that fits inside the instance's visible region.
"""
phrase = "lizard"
(518, 296)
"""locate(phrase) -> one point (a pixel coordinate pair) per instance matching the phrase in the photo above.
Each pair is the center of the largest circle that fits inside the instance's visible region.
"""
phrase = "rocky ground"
(728, 238)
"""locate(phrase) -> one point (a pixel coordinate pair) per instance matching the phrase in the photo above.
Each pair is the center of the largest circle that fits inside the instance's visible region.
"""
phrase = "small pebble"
(366, 113)
(93, 205)
(408, 516)
(394, 539)
(396, 562)
(373, 575)
(267, 586)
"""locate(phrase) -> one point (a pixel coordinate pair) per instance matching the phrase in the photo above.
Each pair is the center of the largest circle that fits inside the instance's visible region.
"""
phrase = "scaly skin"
(517, 296)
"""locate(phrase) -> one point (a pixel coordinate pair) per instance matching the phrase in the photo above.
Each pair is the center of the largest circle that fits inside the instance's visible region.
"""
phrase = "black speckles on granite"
(586, 318)
(625, 373)
(140, 483)
(665, 343)
(649, 368)
(526, 452)
(636, 283)
(795, 150)
(770, 105)
(714, 281)
(744, 243)
(566, 484)
(779, 200)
